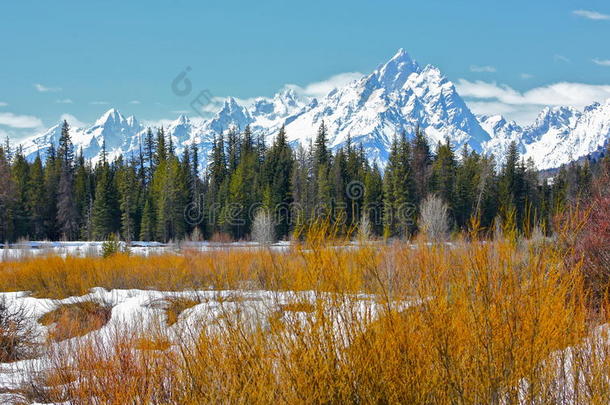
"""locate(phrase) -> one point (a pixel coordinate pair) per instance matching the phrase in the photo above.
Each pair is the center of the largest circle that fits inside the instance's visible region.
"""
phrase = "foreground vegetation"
(504, 321)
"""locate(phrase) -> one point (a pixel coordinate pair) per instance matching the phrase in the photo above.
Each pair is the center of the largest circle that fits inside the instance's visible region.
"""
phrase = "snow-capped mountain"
(398, 96)
(119, 133)
(559, 135)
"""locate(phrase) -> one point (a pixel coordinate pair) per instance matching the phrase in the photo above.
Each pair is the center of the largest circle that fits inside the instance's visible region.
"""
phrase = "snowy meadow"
(509, 320)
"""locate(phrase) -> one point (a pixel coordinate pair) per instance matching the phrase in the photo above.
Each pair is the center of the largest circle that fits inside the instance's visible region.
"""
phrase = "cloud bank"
(20, 121)
(493, 98)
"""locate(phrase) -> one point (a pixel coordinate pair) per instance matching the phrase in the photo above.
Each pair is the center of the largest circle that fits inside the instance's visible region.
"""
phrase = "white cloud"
(99, 102)
(602, 62)
(526, 76)
(561, 58)
(493, 98)
(20, 121)
(134, 102)
(591, 15)
(322, 88)
(64, 101)
(73, 121)
(3, 104)
(44, 89)
(482, 69)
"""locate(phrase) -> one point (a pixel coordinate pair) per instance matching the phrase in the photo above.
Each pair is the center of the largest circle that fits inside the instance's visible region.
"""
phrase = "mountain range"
(398, 96)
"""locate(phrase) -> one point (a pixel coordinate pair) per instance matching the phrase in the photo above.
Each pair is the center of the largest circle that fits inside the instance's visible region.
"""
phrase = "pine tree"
(218, 164)
(301, 181)
(36, 201)
(67, 214)
(341, 202)
(149, 154)
(171, 152)
(321, 153)
(105, 213)
(232, 150)
(373, 199)
(160, 148)
(147, 226)
(399, 190)
(277, 174)
(467, 179)
(21, 175)
(8, 151)
(128, 198)
(389, 203)
(171, 195)
(509, 183)
(247, 143)
(421, 164)
(52, 171)
(234, 215)
(7, 199)
(443, 173)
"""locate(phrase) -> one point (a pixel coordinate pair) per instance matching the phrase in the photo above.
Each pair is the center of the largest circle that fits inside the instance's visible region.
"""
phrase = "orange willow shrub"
(485, 323)
(308, 266)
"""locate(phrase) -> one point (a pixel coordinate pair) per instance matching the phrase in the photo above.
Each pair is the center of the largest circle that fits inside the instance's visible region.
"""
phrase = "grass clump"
(176, 305)
(75, 319)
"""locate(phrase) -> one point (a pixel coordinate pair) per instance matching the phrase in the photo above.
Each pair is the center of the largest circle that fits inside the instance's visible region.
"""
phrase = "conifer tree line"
(158, 195)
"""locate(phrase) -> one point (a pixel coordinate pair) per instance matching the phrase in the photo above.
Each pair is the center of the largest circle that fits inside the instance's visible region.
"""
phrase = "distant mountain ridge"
(558, 136)
(398, 96)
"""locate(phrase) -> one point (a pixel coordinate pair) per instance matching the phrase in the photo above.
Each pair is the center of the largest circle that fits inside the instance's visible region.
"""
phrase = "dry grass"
(471, 323)
(76, 319)
(176, 305)
(298, 307)
(303, 268)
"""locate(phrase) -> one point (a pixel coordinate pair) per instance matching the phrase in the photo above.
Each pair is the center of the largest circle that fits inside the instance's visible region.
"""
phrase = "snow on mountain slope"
(398, 96)
(119, 133)
(503, 133)
(559, 135)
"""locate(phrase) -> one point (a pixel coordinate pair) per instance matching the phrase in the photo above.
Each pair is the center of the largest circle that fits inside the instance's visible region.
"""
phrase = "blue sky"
(81, 58)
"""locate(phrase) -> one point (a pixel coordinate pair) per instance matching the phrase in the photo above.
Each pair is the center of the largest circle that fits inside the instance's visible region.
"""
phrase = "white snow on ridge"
(398, 96)
(558, 136)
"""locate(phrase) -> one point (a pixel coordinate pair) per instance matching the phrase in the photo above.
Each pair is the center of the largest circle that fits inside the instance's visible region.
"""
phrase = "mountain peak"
(182, 120)
(556, 116)
(231, 102)
(287, 94)
(132, 121)
(394, 73)
(401, 54)
(112, 115)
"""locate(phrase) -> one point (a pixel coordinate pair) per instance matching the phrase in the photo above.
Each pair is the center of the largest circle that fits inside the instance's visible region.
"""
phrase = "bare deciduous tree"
(434, 218)
(364, 229)
(263, 228)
